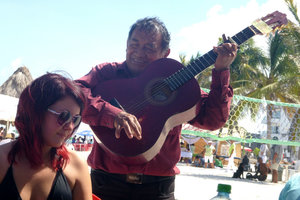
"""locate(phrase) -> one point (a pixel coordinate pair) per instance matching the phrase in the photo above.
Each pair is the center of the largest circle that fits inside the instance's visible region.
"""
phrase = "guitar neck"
(182, 76)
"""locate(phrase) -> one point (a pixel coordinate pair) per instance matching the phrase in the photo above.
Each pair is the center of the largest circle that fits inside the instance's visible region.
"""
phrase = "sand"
(201, 184)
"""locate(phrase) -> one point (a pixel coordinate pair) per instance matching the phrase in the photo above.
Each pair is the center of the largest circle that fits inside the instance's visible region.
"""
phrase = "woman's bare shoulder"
(76, 168)
(77, 161)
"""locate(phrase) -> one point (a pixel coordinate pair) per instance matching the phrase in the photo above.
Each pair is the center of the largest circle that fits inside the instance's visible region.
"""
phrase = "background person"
(274, 163)
(262, 171)
(232, 154)
(263, 150)
(148, 41)
(209, 155)
(199, 161)
(1, 131)
(218, 162)
(37, 164)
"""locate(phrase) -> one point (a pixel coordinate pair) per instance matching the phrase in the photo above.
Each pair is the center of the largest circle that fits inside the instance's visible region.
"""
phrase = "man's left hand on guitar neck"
(226, 54)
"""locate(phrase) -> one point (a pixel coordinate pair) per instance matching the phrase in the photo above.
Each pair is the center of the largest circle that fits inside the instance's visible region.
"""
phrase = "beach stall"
(223, 152)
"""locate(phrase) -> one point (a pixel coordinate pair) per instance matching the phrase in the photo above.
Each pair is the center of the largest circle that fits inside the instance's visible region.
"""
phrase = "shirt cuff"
(220, 79)
(109, 116)
(103, 114)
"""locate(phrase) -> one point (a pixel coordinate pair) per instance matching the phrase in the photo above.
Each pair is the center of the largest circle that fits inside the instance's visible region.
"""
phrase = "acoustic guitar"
(163, 96)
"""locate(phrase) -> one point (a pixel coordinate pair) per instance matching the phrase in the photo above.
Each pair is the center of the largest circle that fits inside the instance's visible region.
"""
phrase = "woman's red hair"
(33, 104)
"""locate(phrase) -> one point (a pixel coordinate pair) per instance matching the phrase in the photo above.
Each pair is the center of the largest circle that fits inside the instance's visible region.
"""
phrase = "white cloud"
(215, 9)
(202, 36)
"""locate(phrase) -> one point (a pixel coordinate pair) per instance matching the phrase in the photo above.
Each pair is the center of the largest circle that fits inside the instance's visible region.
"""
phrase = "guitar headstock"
(270, 22)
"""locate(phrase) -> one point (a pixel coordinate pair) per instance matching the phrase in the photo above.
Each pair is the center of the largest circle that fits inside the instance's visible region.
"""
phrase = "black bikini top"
(60, 188)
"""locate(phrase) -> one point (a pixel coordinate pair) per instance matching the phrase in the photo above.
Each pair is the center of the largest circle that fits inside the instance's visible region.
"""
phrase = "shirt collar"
(123, 71)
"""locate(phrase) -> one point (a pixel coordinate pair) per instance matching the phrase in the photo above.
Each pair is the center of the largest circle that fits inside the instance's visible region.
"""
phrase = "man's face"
(142, 49)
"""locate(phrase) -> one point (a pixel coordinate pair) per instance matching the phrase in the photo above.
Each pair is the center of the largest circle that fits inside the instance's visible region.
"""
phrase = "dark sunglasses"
(66, 117)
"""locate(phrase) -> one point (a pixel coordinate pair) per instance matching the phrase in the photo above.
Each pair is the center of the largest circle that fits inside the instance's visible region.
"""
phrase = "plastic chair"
(95, 197)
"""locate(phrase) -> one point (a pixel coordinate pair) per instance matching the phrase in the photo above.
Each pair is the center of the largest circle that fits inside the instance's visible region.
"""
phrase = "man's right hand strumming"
(130, 125)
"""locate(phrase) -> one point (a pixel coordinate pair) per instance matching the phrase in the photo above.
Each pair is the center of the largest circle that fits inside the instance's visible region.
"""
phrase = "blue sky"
(76, 35)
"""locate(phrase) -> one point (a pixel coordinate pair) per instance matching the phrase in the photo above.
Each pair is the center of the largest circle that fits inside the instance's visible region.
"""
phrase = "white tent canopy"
(8, 108)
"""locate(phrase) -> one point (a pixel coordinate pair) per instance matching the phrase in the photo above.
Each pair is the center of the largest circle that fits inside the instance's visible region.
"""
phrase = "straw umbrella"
(16, 83)
(13, 87)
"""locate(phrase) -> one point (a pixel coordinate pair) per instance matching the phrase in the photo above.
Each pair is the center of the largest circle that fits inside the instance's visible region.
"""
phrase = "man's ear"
(167, 53)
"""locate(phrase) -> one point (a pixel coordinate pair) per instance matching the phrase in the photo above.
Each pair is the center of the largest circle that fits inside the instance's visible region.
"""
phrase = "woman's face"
(55, 134)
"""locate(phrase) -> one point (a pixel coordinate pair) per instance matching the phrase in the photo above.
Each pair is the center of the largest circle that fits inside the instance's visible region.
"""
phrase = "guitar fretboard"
(182, 76)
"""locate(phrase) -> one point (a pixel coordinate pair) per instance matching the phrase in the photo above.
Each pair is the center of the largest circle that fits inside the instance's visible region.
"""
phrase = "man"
(232, 154)
(199, 161)
(263, 152)
(209, 154)
(113, 178)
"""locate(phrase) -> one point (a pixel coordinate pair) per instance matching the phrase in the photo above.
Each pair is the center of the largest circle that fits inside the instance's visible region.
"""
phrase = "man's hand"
(130, 125)
(226, 54)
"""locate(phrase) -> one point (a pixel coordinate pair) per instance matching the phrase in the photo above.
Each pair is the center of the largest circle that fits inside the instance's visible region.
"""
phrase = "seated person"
(37, 165)
(239, 172)
(245, 162)
(218, 162)
(199, 161)
(262, 170)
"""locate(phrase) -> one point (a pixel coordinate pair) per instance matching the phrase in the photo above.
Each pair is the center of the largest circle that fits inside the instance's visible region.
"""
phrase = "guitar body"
(157, 108)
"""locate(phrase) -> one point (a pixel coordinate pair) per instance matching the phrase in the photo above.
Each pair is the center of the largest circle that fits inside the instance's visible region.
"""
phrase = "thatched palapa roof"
(16, 83)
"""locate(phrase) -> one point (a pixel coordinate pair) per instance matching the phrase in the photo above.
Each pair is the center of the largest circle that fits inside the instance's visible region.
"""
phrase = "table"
(82, 147)
(186, 154)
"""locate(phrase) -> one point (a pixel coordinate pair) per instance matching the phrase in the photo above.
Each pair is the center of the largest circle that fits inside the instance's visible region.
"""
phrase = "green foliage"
(256, 151)
(274, 75)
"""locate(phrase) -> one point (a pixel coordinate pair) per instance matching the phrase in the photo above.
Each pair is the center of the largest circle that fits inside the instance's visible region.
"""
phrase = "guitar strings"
(137, 104)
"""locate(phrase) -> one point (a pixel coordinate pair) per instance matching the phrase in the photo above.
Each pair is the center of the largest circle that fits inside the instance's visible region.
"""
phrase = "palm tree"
(276, 77)
(246, 67)
(278, 81)
(293, 8)
(273, 77)
(294, 32)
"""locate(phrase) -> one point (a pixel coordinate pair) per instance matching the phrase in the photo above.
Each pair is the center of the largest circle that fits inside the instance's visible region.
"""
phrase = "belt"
(134, 178)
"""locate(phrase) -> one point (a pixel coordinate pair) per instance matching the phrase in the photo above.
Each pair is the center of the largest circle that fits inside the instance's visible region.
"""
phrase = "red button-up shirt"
(212, 109)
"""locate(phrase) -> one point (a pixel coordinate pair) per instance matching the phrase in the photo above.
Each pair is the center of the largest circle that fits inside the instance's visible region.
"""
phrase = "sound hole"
(159, 92)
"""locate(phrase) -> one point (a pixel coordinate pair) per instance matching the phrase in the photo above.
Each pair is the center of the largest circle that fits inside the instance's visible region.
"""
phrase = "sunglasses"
(66, 117)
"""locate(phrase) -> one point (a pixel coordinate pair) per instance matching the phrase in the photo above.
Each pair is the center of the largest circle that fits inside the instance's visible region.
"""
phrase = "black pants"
(109, 186)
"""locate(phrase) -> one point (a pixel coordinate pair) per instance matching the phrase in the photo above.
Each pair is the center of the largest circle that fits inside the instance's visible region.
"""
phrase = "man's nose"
(140, 52)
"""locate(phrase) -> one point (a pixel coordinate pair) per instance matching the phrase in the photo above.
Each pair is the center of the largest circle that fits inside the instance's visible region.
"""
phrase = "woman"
(274, 167)
(38, 165)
